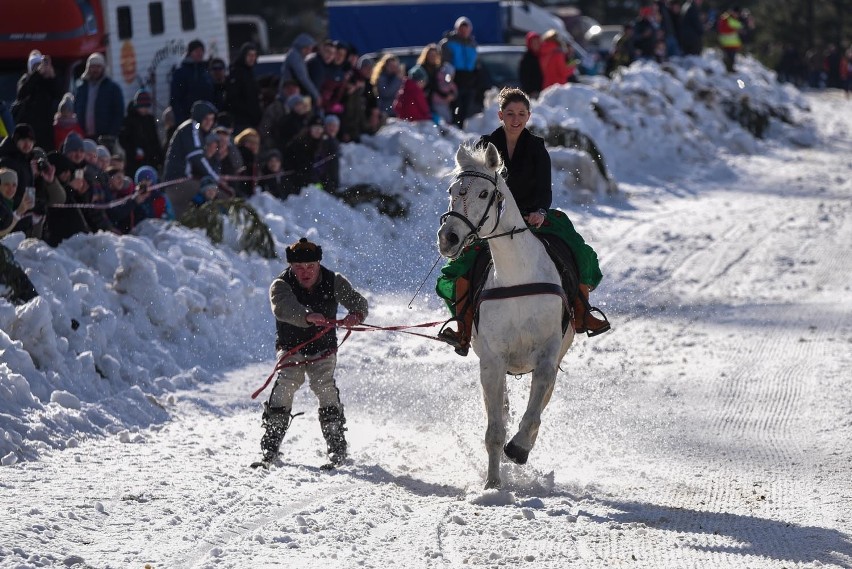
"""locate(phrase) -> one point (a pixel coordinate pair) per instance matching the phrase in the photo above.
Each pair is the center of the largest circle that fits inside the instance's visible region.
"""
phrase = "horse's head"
(476, 194)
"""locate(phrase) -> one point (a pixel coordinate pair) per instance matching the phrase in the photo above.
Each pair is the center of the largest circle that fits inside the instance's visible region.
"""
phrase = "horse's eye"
(483, 194)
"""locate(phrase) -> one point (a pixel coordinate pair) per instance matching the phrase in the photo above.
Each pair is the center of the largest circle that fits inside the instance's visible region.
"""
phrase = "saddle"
(561, 255)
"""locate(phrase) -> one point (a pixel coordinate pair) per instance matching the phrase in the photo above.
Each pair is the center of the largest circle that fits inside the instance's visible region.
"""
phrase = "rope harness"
(282, 363)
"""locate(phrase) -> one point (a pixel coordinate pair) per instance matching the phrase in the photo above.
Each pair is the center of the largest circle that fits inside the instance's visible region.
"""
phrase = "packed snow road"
(711, 428)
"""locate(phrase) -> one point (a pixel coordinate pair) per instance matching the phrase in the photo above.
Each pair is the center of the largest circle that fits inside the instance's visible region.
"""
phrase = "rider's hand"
(535, 218)
(316, 319)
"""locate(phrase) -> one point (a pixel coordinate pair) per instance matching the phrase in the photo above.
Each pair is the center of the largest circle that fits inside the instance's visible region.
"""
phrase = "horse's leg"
(493, 379)
(543, 380)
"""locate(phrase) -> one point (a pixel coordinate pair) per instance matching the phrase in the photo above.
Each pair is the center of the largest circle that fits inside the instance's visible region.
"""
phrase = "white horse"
(520, 315)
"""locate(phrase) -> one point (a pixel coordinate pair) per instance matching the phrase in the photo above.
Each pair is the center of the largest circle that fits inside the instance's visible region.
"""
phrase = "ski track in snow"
(707, 430)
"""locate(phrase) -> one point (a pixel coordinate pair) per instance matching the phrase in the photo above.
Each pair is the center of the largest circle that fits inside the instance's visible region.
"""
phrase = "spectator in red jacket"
(411, 103)
(552, 58)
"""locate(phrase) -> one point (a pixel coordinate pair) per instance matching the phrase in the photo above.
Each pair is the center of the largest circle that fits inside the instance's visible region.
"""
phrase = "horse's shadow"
(755, 536)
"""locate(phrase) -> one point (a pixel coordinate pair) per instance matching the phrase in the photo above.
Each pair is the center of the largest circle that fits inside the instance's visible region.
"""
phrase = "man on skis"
(304, 301)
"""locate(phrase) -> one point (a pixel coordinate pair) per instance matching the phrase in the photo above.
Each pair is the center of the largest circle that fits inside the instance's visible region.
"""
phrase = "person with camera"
(32, 170)
(39, 91)
(11, 216)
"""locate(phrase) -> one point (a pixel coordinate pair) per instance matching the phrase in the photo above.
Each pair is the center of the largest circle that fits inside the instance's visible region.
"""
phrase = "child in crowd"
(444, 94)
(207, 192)
(158, 206)
(272, 177)
(65, 121)
(410, 103)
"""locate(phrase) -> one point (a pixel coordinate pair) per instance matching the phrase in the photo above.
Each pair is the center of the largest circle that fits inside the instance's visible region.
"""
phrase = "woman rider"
(528, 178)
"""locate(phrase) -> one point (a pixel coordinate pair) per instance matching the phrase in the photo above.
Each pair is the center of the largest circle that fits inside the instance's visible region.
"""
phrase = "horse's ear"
(462, 155)
(492, 157)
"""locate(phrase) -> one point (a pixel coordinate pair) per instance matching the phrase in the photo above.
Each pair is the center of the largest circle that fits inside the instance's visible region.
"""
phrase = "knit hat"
(94, 59)
(67, 103)
(316, 120)
(273, 153)
(34, 60)
(23, 130)
(61, 162)
(201, 109)
(103, 151)
(462, 20)
(211, 138)
(145, 174)
(303, 251)
(73, 142)
(9, 176)
(208, 182)
(193, 45)
(304, 40)
(331, 119)
(294, 100)
(142, 98)
(418, 73)
(89, 145)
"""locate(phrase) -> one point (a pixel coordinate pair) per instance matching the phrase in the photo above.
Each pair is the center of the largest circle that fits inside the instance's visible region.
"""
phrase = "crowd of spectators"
(85, 161)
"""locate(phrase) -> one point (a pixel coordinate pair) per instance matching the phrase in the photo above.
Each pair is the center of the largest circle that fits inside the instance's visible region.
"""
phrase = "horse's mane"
(477, 154)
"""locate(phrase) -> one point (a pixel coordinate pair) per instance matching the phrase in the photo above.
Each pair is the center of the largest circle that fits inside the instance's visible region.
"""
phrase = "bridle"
(495, 197)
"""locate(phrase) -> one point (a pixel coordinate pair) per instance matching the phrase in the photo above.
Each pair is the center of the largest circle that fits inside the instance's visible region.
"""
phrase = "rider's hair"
(512, 95)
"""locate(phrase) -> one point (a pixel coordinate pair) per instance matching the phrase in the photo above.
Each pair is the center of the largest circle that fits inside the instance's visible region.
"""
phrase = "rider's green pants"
(556, 223)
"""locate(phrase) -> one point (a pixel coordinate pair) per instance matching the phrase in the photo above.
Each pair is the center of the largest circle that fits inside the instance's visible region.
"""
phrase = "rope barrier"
(161, 185)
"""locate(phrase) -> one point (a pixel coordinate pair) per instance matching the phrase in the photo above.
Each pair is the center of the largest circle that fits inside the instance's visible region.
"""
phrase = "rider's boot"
(584, 320)
(464, 316)
(333, 425)
(276, 420)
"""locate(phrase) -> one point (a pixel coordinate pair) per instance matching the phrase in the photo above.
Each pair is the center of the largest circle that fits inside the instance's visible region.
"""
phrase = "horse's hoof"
(516, 453)
(493, 485)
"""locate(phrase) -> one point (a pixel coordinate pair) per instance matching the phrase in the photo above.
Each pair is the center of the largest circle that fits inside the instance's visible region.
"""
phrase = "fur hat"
(145, 173)
(23, 130)
(9, 176)
(303, 251)
(73, 142)
(34, 60)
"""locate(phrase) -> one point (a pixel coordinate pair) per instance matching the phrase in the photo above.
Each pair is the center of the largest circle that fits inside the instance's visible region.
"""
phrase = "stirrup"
(453, 338)
(604, 328)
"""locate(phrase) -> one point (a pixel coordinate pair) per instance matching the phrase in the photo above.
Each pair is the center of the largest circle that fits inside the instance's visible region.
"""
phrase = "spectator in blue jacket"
(190, 82)
(294, 68)
(458, 48)
(99, 102)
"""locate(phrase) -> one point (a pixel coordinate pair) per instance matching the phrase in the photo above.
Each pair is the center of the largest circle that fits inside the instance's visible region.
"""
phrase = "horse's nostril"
(453, 238)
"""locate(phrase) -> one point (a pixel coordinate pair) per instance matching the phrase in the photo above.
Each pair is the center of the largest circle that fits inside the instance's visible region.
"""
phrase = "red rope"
(280, 364)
